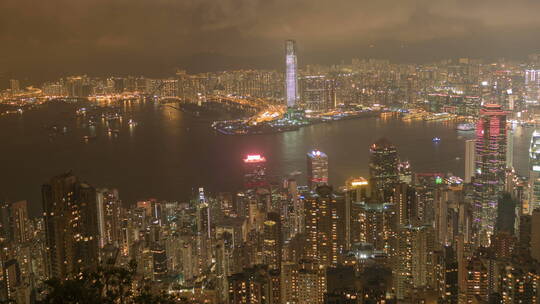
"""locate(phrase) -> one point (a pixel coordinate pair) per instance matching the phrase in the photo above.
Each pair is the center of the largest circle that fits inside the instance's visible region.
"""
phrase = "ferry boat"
(466, 127)
(414, 116)
(438, 117)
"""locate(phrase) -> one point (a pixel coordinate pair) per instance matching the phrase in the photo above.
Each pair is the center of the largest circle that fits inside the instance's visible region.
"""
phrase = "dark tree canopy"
(106, 285)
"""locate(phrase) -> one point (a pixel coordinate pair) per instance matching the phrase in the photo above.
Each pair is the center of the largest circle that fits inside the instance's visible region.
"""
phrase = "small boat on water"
(436, 139)
(89, 137)
(466, 127)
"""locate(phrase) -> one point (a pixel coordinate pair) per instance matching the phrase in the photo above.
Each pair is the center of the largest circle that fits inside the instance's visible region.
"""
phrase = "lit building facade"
(383, 168)
(291, 73)
(317, 169)
(324, 231)
(272, 244)
(490, 169)
(534, 177)
(317, 93)
(469, 160)
(108, 207)
(254, 171)
(71, 226)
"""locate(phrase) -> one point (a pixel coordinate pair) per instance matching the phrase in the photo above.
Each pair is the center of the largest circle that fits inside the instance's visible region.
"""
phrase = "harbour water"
(167, 154)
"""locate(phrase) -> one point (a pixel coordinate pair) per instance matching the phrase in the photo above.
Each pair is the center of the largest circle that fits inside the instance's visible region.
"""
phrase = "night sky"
(43, 39)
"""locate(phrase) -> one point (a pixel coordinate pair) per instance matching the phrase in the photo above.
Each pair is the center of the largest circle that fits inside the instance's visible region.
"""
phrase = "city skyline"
(362, 168)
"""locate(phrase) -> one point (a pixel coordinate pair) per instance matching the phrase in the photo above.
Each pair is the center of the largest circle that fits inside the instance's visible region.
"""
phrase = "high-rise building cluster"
(458, 86)
(394, 236)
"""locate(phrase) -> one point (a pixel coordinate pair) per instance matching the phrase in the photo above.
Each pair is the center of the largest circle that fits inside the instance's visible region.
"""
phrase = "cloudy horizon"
(44, 39)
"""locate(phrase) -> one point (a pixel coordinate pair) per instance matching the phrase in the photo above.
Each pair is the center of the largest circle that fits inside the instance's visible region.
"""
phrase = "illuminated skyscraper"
(272, 245)
(317, 169)
(490, 169)
(316, 92)
(532, 84)
(311, 283)
(291, 73)
(534, 177)
(324, 230)
(108, 207)
(71, 226)
(402, 198)
(19, 221)
(254, 285)
(204, 231)
(159, 260)
(383, 168)
(532, 77)
(254, 171)
(510, 149)
(356, 193)
(469, 160)
(477, 281)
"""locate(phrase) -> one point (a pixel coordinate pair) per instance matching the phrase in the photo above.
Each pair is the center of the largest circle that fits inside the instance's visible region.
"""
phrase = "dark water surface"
(169, 153)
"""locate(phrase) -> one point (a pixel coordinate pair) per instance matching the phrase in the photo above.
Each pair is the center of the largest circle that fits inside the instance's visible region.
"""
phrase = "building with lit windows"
(520, 283)
(469, 160)
(532, 83)
(317, 93)
(71, 226)
(490, 169)
(356, 192)
(108, 207)
(272, 243)
(373, 223)
(323, 228)
(383, 168)
(291, 74)
(254, 171)
(253, 286)
(534, 176)
(317, 169)
(311, 283)
(476, 281)
(20, 229)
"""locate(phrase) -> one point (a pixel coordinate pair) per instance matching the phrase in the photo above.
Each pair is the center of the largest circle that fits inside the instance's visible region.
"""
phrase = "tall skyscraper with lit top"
(490, 169)
(317, 169)
(254, 171)
(291, 74)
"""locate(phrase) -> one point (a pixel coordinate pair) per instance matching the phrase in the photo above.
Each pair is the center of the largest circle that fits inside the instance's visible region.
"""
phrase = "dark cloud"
(153, 36)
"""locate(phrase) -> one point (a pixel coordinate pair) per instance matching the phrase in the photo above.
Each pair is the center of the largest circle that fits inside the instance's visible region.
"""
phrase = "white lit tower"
(291, 74)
